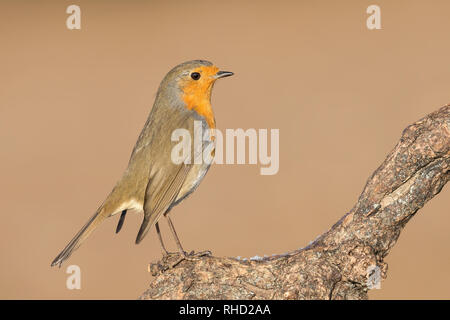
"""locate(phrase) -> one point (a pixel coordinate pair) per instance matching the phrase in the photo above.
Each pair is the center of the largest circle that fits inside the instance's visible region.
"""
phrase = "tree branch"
(340, 263)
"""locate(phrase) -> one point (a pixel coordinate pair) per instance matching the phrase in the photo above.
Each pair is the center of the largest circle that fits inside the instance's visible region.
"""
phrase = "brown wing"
(161, 192)
(165, 178)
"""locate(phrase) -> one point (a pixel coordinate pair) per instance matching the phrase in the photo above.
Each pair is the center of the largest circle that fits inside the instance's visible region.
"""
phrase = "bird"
(153, 183)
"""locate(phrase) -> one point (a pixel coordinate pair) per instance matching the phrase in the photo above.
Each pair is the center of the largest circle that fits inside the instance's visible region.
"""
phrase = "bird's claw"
(172, 259)
(193, 254)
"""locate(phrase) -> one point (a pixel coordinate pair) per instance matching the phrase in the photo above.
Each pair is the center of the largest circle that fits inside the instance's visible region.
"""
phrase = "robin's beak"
(223, 74)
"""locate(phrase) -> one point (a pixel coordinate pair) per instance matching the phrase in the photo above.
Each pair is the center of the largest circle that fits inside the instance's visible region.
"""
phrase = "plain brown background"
(72, 104)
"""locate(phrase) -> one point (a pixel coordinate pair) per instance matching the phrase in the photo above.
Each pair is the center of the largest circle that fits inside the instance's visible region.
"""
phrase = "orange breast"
(197, 93)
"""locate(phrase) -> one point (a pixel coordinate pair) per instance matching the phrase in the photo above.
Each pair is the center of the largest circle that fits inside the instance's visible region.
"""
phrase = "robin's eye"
(195, 75)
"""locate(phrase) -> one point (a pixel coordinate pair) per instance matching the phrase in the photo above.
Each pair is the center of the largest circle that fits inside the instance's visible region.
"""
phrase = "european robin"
(153, 183)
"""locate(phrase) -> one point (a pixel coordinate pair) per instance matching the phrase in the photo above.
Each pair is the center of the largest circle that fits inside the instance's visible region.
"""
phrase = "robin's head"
(198, 77)
(191, 83)
(194, 80)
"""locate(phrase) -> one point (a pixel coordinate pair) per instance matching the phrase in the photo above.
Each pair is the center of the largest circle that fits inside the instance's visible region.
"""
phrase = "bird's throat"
(200, 102)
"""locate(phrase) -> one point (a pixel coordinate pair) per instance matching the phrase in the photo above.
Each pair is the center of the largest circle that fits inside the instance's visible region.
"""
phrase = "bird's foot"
(194, 255)
(168, 261)
(172, 259)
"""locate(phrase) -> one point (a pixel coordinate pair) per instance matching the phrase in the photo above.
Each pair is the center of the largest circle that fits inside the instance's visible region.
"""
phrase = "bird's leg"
(174, 233)
(180, 247)
(167, 260)
(166, 253)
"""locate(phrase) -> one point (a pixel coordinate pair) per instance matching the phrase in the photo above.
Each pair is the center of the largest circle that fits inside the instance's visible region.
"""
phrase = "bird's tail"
(87, 229)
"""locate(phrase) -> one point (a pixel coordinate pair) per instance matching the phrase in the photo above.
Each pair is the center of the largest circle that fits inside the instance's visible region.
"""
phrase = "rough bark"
(340, 263)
